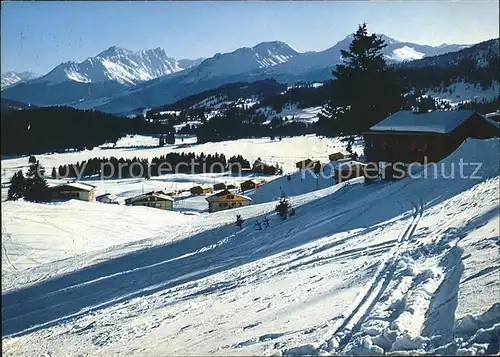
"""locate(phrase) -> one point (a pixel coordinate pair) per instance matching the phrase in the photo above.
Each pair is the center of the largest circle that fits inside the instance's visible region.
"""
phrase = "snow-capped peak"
(243, 60)
(405, 53)
(115, 51)
(10, 78)
(116, 64)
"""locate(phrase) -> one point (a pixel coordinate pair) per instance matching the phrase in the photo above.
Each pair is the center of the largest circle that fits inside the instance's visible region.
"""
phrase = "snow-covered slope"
(406, 267)
(116, 64)
(405, 53)
(188, 63)
(263, 55)
(462, 92)
(10, 78)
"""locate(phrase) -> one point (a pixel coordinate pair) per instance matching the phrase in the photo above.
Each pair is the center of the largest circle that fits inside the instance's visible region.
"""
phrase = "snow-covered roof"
(77, 185)
(252, 180)
(202, 186)
(433, 122)
(150, 194)
(345, 164)
(215, 196)
(110, 195)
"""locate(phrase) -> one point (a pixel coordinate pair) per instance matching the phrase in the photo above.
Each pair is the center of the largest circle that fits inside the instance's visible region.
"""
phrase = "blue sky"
(38, 36)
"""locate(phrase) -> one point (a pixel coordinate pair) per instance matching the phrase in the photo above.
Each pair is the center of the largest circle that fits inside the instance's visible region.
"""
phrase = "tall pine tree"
(37, 189)
(363, 93)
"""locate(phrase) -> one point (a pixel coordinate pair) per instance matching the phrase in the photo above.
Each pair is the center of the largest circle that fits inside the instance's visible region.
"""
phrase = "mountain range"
(10, 78)
(118, 80)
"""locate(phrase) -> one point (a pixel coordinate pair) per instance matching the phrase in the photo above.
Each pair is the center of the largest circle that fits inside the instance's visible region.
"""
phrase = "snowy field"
(285, 152)
(393, 267)
(466, 92)
(294, 114)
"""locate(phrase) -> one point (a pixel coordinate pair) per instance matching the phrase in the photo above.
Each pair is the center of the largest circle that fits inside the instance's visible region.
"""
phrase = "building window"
(386, 145)
(412, 146)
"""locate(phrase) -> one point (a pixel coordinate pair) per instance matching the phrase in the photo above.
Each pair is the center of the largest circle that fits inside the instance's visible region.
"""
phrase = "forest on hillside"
(56, 129)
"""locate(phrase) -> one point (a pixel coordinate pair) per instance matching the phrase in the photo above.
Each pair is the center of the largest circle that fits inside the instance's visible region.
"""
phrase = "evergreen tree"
(37, 189)
(17, 186)
(283, 207)
(363, 92)
(54, 173)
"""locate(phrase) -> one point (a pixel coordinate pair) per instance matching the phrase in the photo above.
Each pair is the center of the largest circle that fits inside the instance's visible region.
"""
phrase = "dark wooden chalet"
(409, 136)
(249, 185)
(219, 186)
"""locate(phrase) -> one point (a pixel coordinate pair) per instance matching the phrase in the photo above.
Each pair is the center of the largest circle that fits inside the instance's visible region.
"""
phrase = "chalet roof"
(441, 122)
(346, 164)
(158, 194)
(215, 196)
(106, 195)
(76, 185)
(252, 180)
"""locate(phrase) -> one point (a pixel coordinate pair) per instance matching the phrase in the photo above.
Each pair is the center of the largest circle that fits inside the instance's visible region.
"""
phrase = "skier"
(266, 222)
(239, 221)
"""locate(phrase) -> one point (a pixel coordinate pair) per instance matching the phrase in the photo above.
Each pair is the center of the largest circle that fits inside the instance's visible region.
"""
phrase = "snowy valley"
(261, 201)
(360, 269)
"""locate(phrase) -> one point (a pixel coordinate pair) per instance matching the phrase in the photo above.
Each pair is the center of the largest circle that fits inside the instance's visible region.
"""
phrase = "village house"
(106, 198)
(219, 186)
(336, 156)
(249, 185)
(347, 170)
(411, 136)
(73, 190)
(155, 199)
(306, 164)
(226, 200)
(199, 190)
(260, 167)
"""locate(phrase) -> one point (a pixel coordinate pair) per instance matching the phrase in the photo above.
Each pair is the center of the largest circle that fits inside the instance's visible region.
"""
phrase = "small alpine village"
(404, 137)
(352, 210)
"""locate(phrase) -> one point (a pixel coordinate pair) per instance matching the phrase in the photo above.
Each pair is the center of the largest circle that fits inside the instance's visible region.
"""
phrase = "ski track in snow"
(390, 267)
